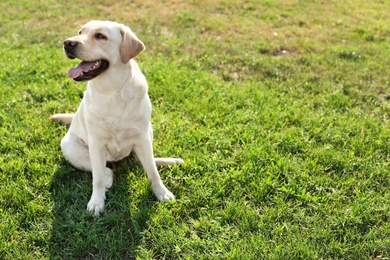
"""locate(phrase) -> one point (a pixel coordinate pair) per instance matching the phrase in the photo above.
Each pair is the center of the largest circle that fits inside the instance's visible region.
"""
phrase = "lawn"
(280, 110)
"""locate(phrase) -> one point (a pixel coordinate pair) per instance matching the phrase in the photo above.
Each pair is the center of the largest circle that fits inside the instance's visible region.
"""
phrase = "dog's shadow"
(77, 234)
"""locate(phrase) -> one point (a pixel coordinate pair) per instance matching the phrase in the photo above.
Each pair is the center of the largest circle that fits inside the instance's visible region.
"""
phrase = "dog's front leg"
(144, 152)
(98, 157)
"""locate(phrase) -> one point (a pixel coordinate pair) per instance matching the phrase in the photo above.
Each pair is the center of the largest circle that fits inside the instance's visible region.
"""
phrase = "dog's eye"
(100, 36)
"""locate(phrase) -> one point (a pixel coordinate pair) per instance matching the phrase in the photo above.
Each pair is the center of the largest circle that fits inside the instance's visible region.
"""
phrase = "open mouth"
(88, 70)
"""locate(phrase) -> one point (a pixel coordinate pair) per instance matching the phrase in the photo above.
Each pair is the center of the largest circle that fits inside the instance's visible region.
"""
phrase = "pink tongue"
(83, 66)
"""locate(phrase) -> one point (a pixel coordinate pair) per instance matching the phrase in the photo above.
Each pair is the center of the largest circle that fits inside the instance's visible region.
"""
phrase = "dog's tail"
(63, 118)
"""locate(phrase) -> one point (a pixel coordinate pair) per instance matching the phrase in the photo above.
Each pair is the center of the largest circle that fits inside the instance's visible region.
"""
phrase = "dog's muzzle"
(86, 70)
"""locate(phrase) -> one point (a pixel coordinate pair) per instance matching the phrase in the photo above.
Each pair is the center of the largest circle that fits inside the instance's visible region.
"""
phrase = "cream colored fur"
(113, 118)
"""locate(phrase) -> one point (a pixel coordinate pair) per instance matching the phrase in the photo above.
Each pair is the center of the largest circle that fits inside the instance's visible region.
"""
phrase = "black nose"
(70, 43)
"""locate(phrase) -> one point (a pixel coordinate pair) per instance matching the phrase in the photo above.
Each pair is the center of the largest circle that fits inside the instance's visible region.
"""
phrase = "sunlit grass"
(279, 109)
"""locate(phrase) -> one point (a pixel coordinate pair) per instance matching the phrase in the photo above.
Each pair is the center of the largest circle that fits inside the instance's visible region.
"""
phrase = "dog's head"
(99, 44)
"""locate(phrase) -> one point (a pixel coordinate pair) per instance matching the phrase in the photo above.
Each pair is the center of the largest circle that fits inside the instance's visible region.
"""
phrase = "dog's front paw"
(96, 205)
(163, 194)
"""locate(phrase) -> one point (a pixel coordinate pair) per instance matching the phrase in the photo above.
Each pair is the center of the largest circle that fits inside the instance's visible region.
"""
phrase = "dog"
(113, 119)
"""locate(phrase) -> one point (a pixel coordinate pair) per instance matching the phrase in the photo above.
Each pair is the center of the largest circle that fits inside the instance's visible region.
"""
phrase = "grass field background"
(280, 110)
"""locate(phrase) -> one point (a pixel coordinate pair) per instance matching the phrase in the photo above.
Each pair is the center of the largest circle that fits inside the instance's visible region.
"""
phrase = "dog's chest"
(121, 133)
(113, 113)
(121, 143)
(118, 120)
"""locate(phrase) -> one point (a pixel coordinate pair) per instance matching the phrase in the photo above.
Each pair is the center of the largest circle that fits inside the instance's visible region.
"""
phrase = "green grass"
(280, 110)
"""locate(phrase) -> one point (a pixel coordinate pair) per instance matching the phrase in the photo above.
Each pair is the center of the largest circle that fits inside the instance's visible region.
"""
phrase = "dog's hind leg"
(63, 118)
(168, 161)
(163, 161)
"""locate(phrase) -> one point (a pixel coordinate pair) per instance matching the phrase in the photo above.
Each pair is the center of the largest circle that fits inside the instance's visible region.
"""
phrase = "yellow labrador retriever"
(113, 118)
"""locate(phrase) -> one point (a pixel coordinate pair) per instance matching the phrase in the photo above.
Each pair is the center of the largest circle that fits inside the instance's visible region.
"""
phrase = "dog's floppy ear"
(131, 45)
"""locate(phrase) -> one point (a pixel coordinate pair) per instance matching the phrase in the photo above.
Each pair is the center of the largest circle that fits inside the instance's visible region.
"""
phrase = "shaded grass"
(279, 110)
